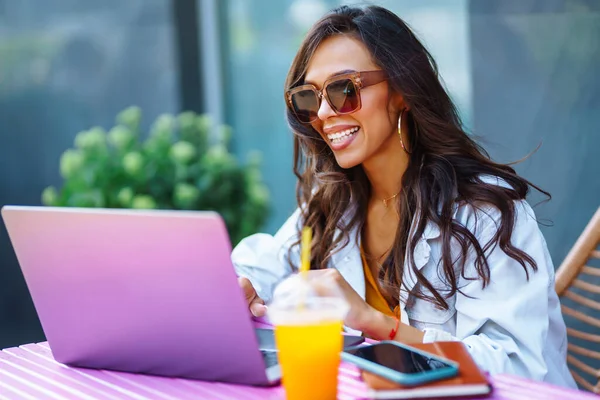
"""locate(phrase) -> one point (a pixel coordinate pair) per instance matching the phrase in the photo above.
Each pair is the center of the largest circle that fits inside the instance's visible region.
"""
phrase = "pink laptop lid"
(140, 291)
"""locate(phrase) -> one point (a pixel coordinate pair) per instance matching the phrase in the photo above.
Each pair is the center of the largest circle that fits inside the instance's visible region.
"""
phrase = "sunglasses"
(342, 92)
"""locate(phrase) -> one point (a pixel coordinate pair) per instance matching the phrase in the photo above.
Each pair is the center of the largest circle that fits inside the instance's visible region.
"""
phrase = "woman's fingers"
(255, 303)
(257, 307)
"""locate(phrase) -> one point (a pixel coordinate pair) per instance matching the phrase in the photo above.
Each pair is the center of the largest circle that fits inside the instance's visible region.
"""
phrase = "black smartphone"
(266, 339)
(400, 363)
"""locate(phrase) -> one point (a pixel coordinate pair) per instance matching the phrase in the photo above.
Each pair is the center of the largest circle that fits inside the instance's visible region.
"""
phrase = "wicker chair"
(577, 284)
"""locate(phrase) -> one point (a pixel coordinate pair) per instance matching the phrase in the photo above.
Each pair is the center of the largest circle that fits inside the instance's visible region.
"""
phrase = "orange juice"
(310, 357)
(308, 334)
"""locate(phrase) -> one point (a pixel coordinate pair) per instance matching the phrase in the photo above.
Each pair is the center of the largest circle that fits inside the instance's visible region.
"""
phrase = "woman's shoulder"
(480, 215)
(291, 227)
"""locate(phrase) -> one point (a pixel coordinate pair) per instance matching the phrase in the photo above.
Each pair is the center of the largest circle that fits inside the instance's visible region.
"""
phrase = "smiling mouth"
(340, 137)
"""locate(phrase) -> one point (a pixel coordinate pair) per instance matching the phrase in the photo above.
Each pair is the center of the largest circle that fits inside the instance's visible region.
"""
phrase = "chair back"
(578, 285)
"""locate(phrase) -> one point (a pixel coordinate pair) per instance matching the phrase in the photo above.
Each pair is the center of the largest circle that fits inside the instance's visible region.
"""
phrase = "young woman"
(427, 237)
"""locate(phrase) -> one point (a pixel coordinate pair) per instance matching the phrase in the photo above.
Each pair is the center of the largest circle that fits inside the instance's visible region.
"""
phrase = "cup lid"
(295, 301)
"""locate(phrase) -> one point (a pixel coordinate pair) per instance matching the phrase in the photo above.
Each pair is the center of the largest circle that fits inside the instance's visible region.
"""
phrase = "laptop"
(151, 292)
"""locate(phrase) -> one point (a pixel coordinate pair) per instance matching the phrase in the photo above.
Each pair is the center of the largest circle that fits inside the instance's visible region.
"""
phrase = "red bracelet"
(394, 331)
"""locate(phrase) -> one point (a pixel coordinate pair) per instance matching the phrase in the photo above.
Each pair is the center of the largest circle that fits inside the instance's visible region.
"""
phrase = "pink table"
(30, 372)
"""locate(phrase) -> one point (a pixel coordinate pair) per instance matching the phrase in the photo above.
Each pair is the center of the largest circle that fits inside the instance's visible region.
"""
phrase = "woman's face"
(374, 126)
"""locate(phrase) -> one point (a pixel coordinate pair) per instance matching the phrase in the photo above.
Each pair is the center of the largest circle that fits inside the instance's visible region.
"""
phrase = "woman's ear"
(399, 102)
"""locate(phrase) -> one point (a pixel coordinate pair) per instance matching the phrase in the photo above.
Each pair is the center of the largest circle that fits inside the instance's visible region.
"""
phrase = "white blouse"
(513, 325)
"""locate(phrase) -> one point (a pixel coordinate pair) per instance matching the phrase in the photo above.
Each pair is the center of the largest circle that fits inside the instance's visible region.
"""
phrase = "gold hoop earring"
(400, 131)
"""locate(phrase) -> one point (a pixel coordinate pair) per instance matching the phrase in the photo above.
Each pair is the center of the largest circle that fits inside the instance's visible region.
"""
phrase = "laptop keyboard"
(270, 358)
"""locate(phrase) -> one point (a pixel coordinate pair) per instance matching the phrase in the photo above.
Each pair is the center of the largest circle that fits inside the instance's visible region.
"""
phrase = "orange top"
(373, 295)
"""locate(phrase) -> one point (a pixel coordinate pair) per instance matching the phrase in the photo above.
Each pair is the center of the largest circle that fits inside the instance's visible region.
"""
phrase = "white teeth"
(339, 136)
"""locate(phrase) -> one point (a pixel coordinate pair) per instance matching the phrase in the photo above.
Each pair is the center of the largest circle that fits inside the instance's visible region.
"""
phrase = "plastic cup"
(308, 335)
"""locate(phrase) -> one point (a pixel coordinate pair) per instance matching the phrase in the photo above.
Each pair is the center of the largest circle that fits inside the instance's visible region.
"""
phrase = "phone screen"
(398, 358)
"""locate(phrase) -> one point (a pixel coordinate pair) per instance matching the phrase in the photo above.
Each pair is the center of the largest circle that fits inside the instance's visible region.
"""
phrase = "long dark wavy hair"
(445, 163)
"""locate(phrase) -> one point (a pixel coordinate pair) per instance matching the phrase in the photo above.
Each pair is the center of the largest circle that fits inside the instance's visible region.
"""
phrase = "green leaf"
(185, 195)
(125, 197)
(121, 137)
(142, 201)
(133, 163)
(163, 127)
(50, 196)
(89, 198)
(70, 163)
(91, 141)
(130, 118)
(182, 152)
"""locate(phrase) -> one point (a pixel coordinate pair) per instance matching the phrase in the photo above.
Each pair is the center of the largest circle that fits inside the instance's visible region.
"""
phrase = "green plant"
(180, 165)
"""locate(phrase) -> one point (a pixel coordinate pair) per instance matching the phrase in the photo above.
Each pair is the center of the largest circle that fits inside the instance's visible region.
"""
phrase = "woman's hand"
(325, 282)
(255, 304)
(362, 316)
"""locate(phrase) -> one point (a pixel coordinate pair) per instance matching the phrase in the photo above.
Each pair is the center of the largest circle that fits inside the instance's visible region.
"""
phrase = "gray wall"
(65, 66)
(536, 80)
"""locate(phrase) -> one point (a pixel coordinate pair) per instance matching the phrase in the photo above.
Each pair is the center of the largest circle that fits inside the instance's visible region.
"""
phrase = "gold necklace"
(385, 201)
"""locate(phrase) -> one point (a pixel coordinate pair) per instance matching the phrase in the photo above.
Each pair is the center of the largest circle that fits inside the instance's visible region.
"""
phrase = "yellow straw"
(305, 258)
(305, 250)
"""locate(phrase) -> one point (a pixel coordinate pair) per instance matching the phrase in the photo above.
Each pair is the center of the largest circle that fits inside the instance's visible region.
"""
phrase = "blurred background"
(523, 72)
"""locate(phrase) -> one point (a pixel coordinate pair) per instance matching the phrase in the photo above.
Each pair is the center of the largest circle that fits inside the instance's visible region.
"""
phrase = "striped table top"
(30, 372)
